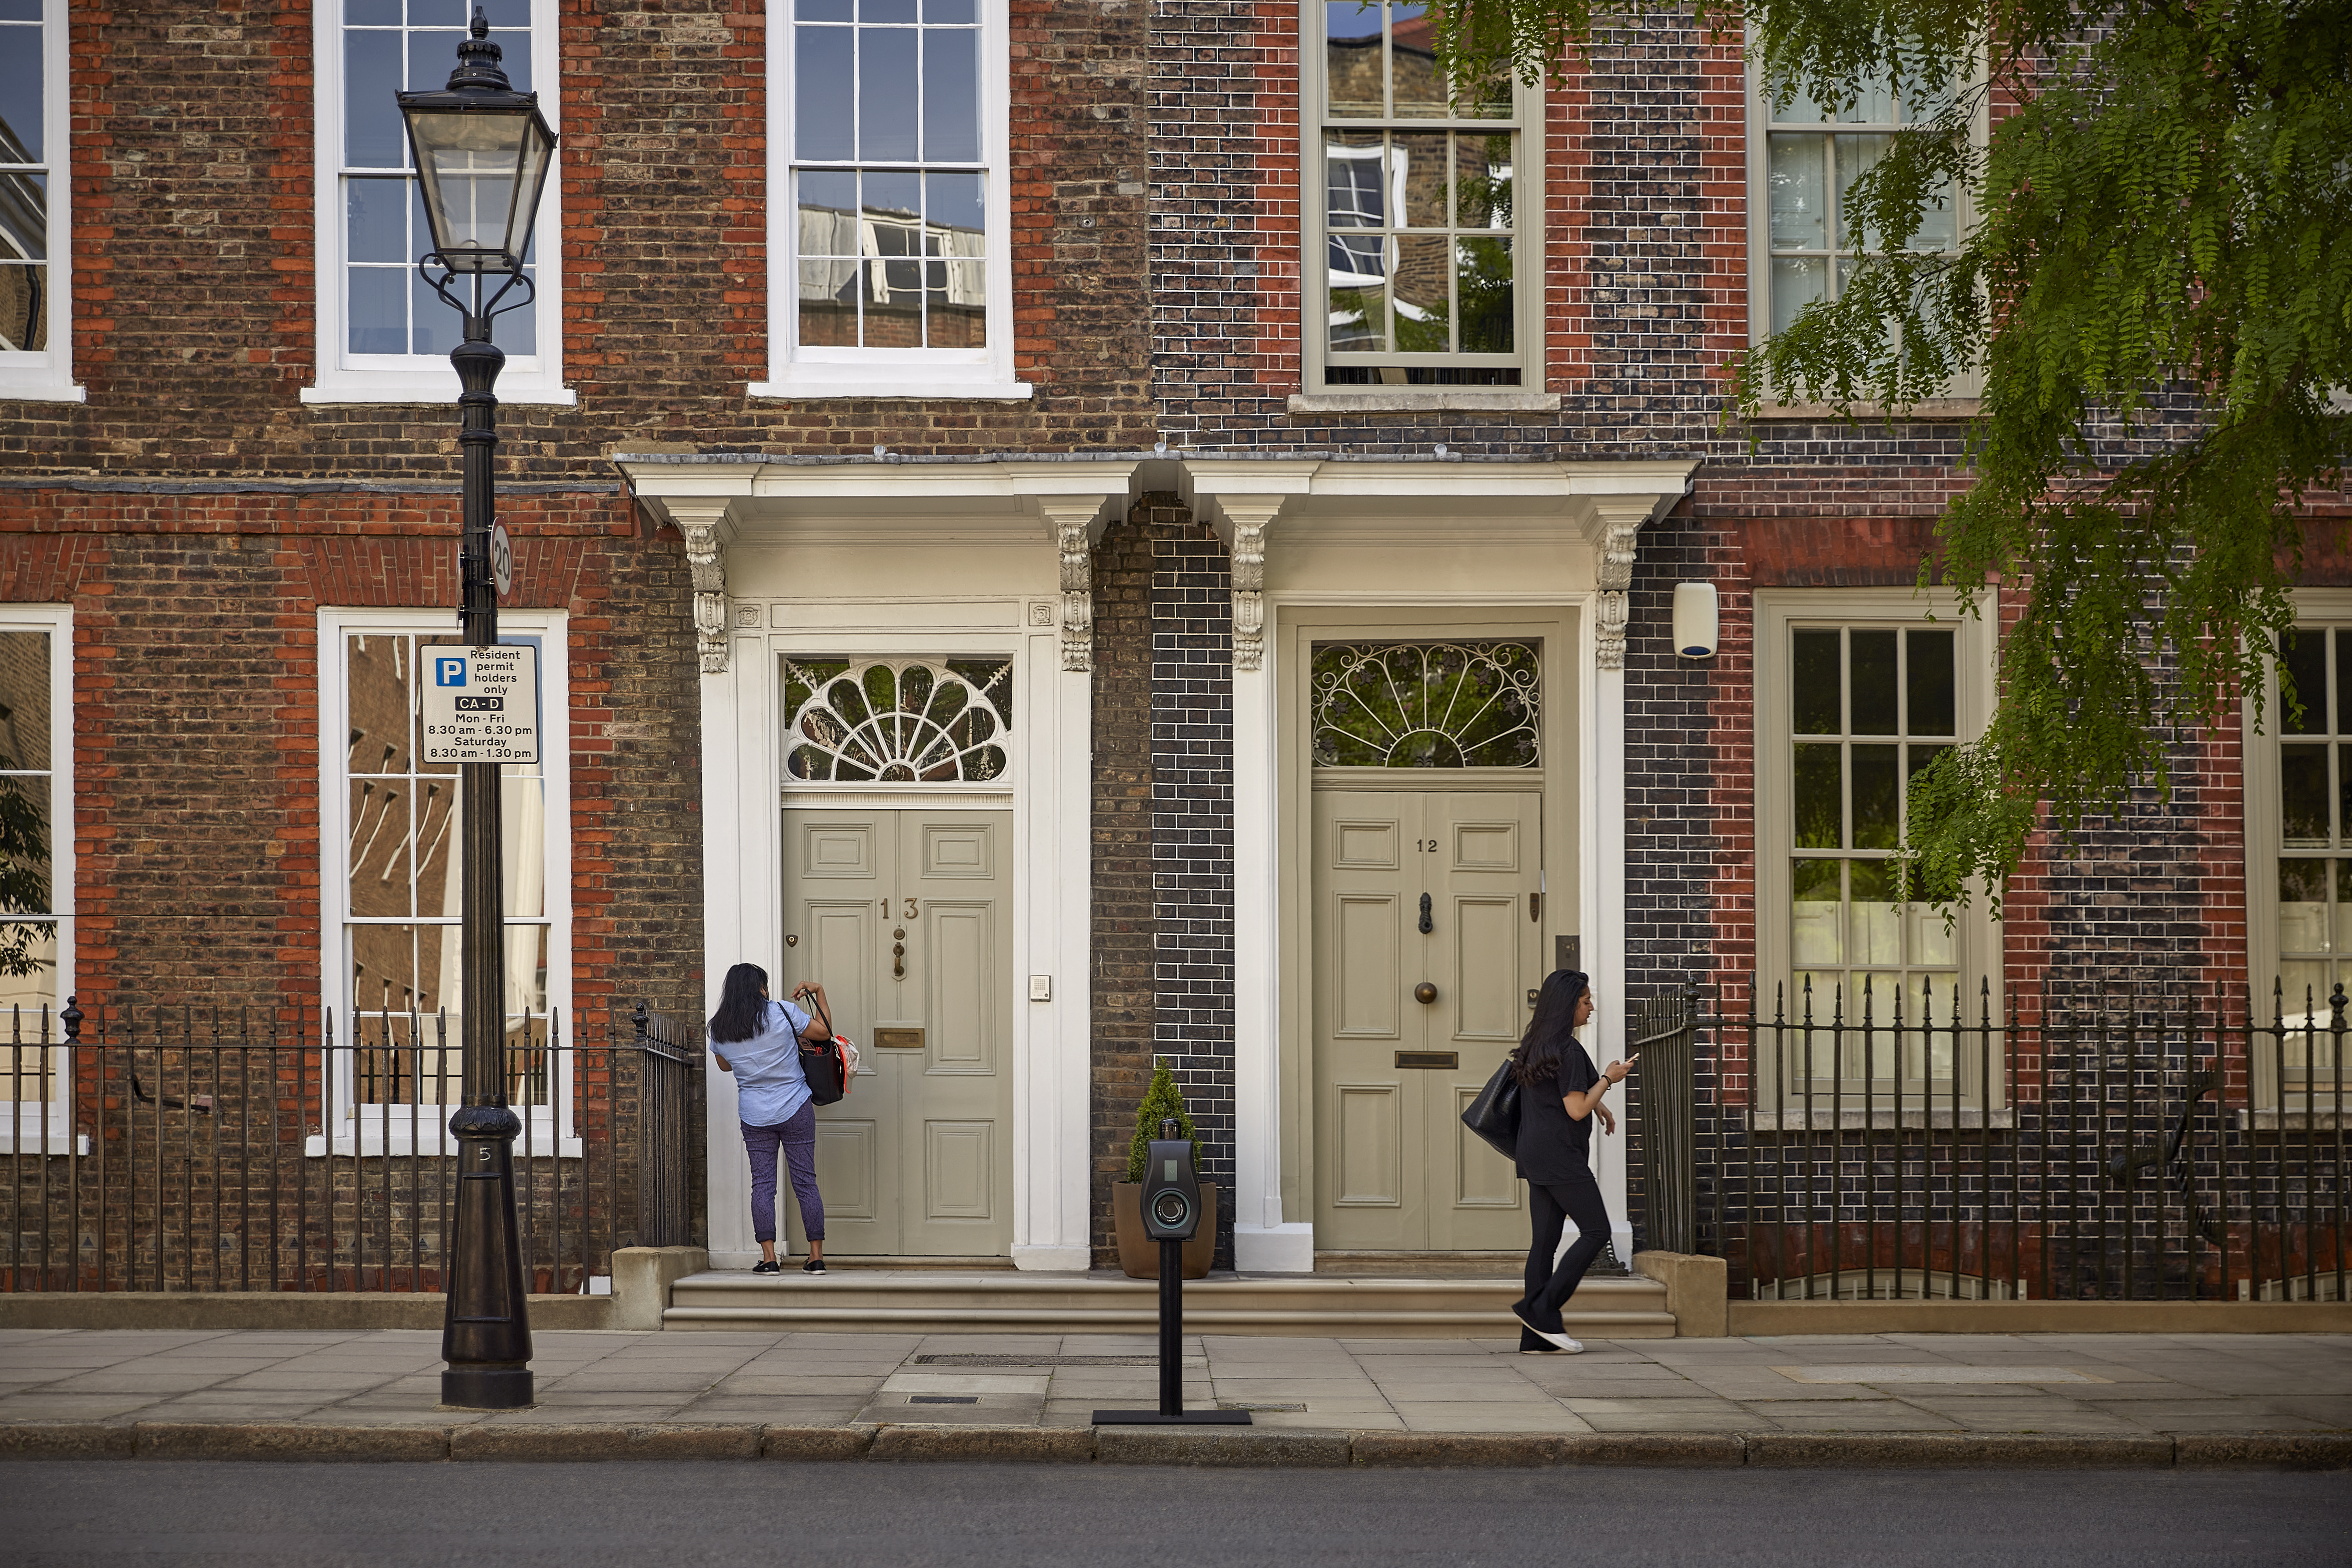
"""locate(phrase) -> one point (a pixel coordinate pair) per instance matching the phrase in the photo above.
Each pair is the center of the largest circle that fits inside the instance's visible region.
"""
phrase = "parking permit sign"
(481, 704)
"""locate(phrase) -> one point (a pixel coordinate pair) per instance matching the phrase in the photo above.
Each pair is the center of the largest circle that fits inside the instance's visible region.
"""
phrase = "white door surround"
(964, 557)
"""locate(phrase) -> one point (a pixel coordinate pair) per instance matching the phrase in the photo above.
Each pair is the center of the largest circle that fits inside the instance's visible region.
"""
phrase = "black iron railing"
(1663, 1031)
(1880, 1147)
(167, 1150)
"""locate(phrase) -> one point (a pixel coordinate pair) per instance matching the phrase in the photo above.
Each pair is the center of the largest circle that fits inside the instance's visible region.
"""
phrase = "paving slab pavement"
(2287, 1395)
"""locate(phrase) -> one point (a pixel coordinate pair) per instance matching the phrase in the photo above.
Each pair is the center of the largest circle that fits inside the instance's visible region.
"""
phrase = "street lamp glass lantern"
(482, 151)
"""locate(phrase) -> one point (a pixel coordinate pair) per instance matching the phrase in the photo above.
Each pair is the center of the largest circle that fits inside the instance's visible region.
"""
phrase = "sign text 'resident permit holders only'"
(481, 704)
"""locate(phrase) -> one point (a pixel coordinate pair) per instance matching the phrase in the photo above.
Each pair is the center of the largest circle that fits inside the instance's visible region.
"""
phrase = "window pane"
(24, 308)
(1482, 281)
(2303, 795)
(377, 214)
(2303, 922)
(1855, 154)
(1878, 801)
(23, 701)
(1351, 58)
(1814, 936)
(1417, 89)
(1354, 187)
(1874, 931)
(1417, 168)
(378, 855)
(1870, 683)
(1358, 315)
(25, 849)
(1797, 282)
(876, 11)
(514, 49)
(1813, 680)
(432, 55)
(379, 310)
(944, 12)
(1481, 181)
(824, 10)
(33, 949)
(822, 77)
(885, 92)
(2343, 687)
(1927, 678)
(372, 136)
(1821, 812)
(828, 303)
(2303, 665)
(951, 96)
(953, 207)
(958, 311)
(1418, 293)
(2303, 991)
(1799, 208)
(1931, 936)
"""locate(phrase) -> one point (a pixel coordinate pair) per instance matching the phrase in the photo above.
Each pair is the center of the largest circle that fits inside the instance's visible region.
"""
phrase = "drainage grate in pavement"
(1262, 1409)
(1832, 1372)
(1037, 1360)
(943, 1399)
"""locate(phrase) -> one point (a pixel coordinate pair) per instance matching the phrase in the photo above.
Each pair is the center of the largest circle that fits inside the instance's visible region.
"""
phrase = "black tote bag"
(1495, 1114)
(827, 1066)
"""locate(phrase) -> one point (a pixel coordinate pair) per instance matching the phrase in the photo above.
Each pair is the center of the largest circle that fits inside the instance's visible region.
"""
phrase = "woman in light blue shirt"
(762, 1040)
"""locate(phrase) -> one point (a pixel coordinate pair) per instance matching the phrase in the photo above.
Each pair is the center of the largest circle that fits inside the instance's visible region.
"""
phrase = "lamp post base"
(487, 1387)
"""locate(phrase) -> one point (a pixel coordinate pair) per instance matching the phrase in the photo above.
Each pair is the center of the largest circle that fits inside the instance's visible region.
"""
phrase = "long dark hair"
(741, 1007)
(1555, 1022)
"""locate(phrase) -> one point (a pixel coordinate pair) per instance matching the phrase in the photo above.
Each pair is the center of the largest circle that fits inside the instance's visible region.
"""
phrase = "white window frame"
(1528, 206)
(1963, 394)
(346, 377)
(2259, 769)
(1777, 612)
(23, 1128)
(552, 1128)
(801, 373)
(47, 375)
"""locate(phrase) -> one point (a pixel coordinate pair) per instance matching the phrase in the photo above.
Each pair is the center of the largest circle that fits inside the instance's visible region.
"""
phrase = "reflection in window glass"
(1417, 280)
(2312, 922)
(1869, 707)
(392, 46)
(29, 891)
(403, 882)
(24, 181)
(1811, 236)
(888, 256)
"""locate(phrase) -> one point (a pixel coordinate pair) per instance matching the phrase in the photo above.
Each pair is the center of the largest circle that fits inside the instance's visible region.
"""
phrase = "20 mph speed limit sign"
(481, 704)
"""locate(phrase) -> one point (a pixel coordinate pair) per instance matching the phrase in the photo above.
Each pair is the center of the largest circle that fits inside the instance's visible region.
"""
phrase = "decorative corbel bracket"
(707, 529)
(1246, 518)
(1613, 527)
(1077, 521)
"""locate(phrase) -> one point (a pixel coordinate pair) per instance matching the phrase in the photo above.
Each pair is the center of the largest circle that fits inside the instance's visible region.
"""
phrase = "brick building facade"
(1143, 507)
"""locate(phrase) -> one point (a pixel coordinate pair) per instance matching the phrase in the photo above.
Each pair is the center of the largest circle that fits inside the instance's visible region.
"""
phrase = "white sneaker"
(1558, 1342)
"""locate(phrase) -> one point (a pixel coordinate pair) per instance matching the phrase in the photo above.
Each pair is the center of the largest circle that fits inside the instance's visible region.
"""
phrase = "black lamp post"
(482, 151)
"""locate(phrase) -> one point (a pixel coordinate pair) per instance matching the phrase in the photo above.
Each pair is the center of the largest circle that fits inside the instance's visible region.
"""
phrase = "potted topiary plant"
(1138, 1255)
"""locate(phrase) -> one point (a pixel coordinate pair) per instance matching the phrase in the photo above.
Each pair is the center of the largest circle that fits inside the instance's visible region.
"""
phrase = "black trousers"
(1553, 1204)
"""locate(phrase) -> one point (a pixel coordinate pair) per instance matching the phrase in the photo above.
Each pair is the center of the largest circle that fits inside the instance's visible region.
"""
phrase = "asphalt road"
(914, 1516)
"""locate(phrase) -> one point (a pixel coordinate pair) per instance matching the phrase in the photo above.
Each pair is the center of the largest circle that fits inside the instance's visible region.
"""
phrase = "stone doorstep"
(1281, 1447)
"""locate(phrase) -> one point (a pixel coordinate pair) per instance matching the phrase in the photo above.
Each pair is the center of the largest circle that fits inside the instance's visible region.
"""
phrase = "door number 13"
(912, 911)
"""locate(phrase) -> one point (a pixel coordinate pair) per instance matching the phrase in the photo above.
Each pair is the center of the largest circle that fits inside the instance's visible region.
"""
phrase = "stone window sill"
(1926, 409)
(1427, 400)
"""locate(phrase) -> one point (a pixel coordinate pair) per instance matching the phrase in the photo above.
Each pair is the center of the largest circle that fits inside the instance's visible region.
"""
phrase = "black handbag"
(1494, 1115)
(827, 1066)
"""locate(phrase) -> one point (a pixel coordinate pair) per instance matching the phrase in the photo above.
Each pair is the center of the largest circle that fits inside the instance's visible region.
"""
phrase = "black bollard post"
(1171, 1213)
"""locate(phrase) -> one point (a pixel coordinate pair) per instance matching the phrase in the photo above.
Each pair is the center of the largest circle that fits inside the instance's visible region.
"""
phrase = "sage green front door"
(1426, 945)
(904, 917)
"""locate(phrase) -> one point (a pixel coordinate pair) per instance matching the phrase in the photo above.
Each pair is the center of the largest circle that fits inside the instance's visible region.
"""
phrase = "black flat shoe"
(814, 1266)
(767, 1266)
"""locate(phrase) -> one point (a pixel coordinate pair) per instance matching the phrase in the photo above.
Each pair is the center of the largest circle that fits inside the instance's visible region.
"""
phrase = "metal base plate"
(1182, 1418)
(487, 1387)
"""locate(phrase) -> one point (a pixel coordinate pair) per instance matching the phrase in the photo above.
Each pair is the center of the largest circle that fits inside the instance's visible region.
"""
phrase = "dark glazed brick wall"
(1122, 983)
(1193, 842)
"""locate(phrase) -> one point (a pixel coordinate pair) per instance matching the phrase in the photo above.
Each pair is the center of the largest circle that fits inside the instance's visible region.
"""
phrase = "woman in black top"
(1560, 1092)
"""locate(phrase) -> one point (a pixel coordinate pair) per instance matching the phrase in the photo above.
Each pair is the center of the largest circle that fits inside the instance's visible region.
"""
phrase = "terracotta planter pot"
(1139, 1255)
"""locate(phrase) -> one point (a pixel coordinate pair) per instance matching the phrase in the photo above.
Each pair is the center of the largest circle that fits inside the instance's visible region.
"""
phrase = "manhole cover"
(1037, 1360)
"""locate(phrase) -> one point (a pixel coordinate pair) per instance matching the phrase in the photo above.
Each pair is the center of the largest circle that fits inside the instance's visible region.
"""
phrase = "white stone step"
(853, 1299)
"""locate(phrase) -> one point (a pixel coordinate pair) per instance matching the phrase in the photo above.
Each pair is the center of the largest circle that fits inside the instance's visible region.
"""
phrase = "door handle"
(898, 954)
(1424, 992)
(1426, 925)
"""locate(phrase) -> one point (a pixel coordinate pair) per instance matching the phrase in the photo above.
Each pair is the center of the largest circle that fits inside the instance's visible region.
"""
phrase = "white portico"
(906, 578)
